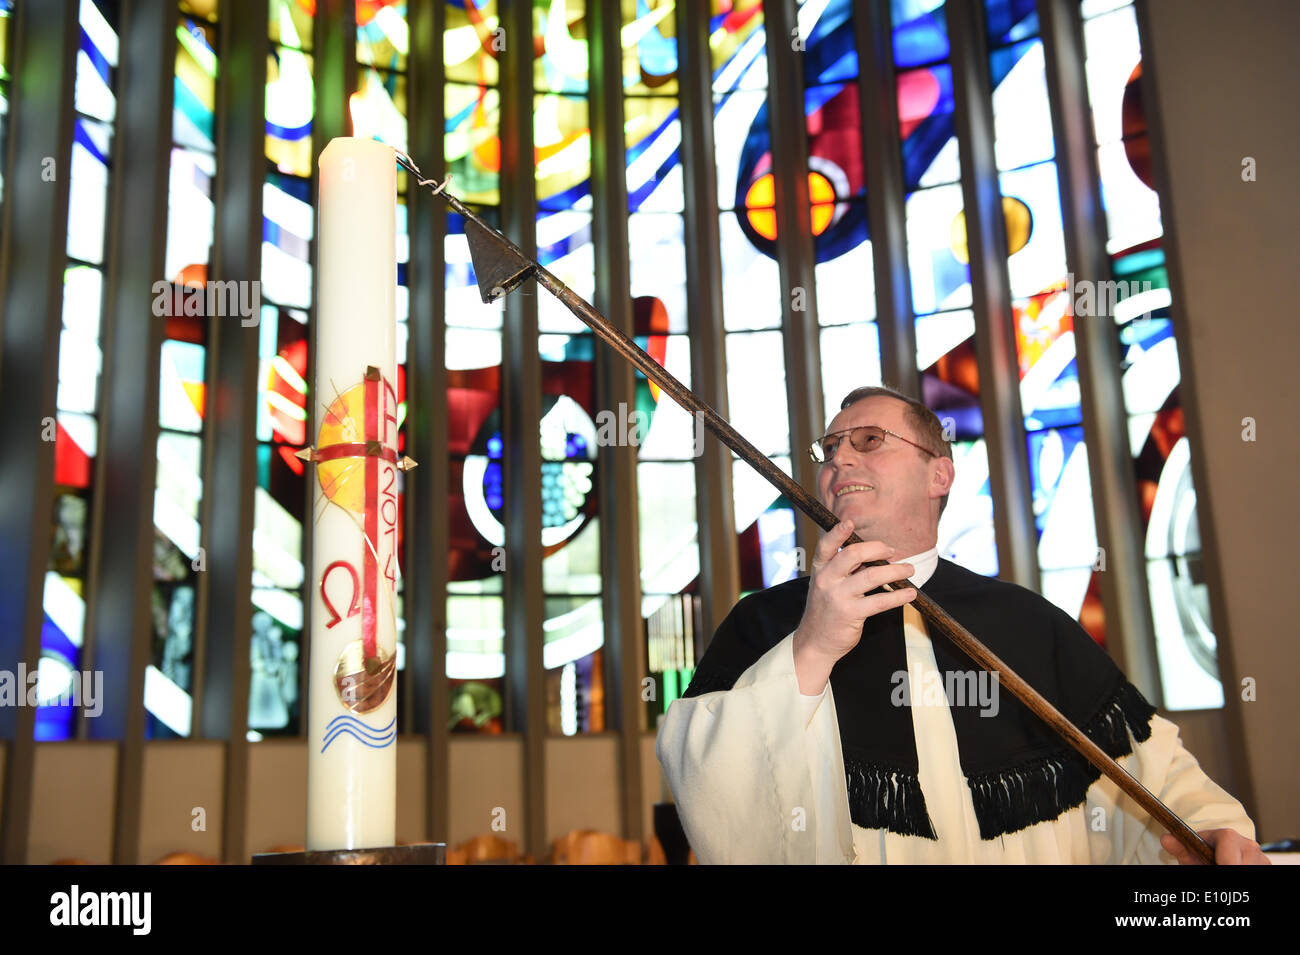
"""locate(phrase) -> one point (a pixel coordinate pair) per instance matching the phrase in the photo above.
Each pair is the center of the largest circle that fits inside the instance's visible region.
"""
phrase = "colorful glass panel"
(80, 360)
(473, 41)
(182, 388)
(1140, 303)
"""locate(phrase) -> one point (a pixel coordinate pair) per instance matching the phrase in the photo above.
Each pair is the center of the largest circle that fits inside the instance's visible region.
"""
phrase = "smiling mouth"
(850, 488)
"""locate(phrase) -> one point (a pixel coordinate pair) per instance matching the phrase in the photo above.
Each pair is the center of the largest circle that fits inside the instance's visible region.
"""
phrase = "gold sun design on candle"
(341, 477)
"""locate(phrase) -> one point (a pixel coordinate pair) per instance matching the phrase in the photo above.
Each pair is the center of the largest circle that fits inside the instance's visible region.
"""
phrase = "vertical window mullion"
(986, 246)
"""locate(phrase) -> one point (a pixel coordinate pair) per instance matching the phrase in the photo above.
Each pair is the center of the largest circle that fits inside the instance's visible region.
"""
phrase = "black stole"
(1019, 771)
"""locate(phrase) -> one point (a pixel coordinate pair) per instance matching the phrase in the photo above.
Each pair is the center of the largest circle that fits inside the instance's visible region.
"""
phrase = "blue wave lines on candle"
(374, 737)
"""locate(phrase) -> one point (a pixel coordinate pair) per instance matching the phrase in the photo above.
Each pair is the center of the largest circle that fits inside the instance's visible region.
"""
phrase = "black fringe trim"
(1044, 788)
(881, 798)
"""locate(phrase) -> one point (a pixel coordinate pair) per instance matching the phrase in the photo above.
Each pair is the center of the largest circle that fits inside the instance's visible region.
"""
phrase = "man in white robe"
(758, 769)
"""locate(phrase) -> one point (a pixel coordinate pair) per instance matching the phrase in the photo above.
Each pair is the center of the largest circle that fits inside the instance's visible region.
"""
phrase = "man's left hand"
(1230, 848)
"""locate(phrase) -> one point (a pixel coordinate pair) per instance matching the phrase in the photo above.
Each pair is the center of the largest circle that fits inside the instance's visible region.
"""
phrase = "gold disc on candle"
(364, 684)
(342, 479)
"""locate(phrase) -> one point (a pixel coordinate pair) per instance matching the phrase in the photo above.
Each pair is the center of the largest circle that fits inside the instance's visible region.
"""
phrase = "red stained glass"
(72, 466)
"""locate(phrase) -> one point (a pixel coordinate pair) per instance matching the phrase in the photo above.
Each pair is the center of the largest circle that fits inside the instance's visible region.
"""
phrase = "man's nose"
(844, 448)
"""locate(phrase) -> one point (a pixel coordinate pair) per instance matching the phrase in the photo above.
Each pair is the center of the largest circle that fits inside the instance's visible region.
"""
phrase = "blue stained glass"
(194, 89)
(925, 108)
(96, 58)
(60, 659)
(830, 53)
(741, 135)
(656, 53)
(492, 487)
(1059, 404)
(815, 97)
(966, 534)
(739, 50)
(1062, 502)
(1146, 334)
(1010, 20)
(1048, 451)
(493, 491)
(1021, 114)
(847, 232)
(920, 31)
(568, 241)
(565, 247)
(291, 95)
(455, 119)
(642, 180)
(940, 280)
(94, 138)
(1001, 61)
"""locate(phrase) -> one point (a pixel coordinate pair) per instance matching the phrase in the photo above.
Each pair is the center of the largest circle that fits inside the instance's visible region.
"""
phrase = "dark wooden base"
(429, 853)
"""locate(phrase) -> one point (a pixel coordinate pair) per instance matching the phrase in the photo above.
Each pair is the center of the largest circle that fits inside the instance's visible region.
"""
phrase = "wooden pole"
(503, 267)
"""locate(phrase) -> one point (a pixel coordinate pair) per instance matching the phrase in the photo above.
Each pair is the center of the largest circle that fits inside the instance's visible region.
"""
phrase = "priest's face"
(892, 493)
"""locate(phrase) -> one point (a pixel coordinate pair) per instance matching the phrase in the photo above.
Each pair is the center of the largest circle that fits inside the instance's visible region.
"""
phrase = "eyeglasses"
(865, 438)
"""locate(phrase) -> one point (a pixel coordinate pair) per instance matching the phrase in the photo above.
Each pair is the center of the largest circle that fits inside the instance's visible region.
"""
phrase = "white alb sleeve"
(741, 763)
(1168, 770)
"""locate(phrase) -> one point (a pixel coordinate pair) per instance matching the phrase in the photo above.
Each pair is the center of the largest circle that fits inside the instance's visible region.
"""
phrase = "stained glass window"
(940, 273)
(665, 433)
(751, 277)
(1043, 301)
(182, 387)
(282, 495)
(571, 528)
(472, 41)
(80, 359)
(1139, 303)
(290, 99)
(846, 292)
(1041, 297)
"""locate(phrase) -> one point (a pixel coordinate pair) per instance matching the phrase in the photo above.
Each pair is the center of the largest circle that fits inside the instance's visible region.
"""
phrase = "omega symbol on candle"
(361, 477)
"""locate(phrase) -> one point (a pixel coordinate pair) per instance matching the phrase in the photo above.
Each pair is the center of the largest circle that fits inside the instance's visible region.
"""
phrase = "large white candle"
(352, 693)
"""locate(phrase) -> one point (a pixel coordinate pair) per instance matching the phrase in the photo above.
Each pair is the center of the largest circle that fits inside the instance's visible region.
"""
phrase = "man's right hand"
(839, 602)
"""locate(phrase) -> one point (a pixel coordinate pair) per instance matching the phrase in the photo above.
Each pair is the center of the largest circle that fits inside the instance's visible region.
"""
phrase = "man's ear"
(942, 475)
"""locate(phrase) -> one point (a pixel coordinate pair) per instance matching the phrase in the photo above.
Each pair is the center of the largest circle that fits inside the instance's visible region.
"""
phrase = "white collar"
(925, 563)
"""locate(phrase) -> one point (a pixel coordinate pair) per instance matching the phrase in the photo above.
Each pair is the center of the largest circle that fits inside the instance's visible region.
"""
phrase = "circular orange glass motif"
(761, 199)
